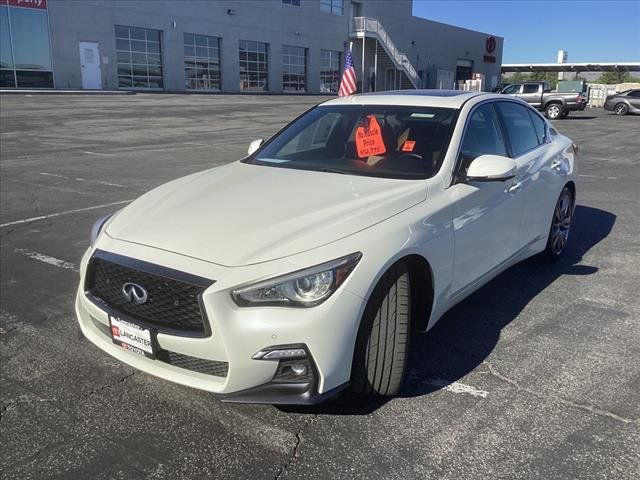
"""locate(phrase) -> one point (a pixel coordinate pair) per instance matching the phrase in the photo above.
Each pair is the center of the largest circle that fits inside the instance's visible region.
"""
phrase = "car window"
(540, 126)
(482, 136)
(520, 129)
(530, 89)
(634, 93)
(511, 89)
(372, 140)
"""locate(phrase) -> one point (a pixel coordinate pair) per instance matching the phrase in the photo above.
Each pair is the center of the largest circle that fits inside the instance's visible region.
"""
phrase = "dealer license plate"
(131, 337)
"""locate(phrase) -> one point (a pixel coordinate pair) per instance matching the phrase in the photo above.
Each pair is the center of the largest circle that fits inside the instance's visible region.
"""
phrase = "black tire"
(553, 111)
(621, 108)
(382, 344)
(560, 225)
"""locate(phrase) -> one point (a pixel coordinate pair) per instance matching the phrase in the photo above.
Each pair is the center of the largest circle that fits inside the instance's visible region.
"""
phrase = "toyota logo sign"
(490, 44)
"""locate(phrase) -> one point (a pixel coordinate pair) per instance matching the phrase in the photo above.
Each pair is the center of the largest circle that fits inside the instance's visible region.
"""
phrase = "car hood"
(241, 214)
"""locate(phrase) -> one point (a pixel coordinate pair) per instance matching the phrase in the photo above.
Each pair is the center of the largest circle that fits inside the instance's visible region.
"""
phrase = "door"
(634, 99)
(532, 94)
(464, 69)
(512, 90)
(486, 215)
(390, 79)
(543, 166)
(356, 9)
(90, 66)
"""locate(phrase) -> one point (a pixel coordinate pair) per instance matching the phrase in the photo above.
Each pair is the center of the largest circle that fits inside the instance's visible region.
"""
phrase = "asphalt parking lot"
(537, 375)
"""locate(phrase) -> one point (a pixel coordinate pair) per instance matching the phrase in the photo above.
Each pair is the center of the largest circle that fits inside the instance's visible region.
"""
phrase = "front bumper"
(222, 362)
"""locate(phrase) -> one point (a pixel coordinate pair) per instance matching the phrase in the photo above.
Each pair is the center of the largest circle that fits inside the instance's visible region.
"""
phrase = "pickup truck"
(539, 95)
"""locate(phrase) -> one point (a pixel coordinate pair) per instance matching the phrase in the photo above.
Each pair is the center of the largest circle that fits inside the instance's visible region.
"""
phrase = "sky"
(534, 31)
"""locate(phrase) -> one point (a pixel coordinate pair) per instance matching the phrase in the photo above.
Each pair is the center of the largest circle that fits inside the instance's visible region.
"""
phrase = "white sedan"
(302, 269)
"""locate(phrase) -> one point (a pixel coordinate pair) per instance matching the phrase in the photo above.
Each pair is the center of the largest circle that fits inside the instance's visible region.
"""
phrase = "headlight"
(97, 228)
(304, 288)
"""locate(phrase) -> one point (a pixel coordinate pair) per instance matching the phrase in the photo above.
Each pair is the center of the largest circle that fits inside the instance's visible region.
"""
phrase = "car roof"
(421, 98)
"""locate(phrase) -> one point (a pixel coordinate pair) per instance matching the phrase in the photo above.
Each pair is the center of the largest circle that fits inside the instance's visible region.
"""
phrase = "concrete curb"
(66, 92)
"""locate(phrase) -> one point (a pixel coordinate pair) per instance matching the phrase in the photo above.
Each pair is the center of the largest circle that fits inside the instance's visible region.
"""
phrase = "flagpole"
(362, 78)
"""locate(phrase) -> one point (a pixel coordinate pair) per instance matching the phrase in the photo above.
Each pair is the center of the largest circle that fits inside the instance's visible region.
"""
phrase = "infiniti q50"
(302, 269)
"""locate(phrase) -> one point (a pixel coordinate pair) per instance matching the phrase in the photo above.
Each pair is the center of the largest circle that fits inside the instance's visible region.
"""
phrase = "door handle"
(514, 188)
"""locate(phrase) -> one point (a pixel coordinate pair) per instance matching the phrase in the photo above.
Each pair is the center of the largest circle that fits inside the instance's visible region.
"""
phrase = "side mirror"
(489, 168)
(253, 146)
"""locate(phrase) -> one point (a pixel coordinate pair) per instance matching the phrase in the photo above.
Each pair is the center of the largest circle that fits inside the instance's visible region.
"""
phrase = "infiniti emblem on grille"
(134, 293)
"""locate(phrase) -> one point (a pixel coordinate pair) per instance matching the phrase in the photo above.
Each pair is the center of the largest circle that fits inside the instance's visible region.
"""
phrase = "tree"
(550, 77)
(616, 77)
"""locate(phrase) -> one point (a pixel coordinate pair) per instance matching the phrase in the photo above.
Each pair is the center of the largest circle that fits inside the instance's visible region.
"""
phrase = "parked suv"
(553, 104)
(624, 102)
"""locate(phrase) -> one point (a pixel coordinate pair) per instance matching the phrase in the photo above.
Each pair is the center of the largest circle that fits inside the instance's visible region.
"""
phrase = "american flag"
(348, 82)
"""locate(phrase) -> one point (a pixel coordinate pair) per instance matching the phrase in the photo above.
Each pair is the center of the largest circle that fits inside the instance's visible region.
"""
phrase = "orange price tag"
(369, 138)
(408, 145)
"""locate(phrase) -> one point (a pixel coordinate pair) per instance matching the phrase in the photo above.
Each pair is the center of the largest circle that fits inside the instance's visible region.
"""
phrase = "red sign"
(39, 4)
(489, 59)
(490, 44)
(369, 138)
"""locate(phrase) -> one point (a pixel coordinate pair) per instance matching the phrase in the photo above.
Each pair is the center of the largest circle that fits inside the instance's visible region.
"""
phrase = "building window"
(25, 53)
(201, 62)
(329, 71)
(254, 66)
(291, 2)
(139, 57)
(332, 6)
(294, 69)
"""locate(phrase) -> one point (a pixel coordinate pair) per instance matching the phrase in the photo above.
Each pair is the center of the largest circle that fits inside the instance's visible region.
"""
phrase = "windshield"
(373, 140)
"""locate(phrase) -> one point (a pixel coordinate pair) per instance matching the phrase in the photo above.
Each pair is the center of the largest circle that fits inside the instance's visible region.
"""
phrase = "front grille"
(173, 303)
(200, 365)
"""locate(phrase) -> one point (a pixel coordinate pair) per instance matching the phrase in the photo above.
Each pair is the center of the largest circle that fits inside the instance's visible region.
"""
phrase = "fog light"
(299, 369)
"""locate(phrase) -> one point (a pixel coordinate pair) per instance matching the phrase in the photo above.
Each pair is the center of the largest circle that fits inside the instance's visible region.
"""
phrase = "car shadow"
(570, 117)
(467, 333)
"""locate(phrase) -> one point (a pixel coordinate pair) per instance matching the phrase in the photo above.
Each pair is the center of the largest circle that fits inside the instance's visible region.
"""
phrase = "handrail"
(373, 26)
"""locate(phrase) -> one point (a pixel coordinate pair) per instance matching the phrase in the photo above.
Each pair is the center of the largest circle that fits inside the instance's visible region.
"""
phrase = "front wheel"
(382, 343)
(553, 111)
(560, 225)
(621, 109)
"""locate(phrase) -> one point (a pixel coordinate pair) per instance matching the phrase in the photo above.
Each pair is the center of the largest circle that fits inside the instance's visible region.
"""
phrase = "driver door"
(486, 215)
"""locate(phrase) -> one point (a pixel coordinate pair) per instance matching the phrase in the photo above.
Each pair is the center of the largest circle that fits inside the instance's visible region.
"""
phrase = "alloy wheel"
(621, 109)
(561, 223)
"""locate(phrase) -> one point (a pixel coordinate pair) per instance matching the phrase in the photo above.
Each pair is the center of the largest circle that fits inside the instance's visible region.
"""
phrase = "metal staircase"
(364, 27)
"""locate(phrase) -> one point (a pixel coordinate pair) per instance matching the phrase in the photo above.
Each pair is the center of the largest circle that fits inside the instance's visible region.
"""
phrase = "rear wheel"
(553, 111)
(621, 109)
(383, 337)
(560, 225)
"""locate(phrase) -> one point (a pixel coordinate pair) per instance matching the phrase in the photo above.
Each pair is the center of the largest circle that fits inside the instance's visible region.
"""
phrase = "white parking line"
(80, 179)
(457, 387)
(596, 176)
(447, 384)
(100, 154)
(56, 262)
(67, 212)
